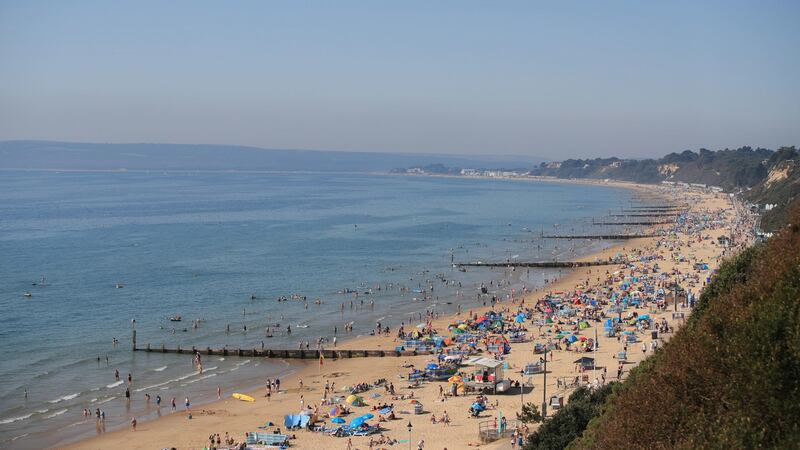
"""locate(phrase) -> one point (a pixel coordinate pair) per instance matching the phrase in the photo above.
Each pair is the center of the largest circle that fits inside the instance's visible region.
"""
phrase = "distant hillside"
(91, 156)
(763, 176)
(730, 378)
(780, 187)
(729, 169)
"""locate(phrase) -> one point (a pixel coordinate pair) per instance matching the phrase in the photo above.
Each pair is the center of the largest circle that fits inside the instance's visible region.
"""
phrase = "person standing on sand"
(219, 393)
(174, 405)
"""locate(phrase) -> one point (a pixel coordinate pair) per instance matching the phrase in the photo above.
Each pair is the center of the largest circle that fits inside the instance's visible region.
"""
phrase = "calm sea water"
(200, 244)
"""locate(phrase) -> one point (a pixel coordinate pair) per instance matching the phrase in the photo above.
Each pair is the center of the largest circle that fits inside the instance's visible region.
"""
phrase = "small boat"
(175, 319)
(301, 326)
(119, 286)
(252, 296)
(28, 294)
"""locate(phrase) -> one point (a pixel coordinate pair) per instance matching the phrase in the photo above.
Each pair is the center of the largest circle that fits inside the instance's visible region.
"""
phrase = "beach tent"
(338, 420)
(296, 421)
(355, 400)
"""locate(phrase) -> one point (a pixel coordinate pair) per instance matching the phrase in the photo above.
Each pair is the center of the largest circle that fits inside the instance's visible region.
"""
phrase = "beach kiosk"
(486, 373)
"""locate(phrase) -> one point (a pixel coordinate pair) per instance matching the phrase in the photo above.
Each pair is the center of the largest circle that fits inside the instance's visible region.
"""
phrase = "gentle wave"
(173, 380)
(106, 400)
(65, 398)
(14, 419)
(160, 369)
(57, 413)
(113, 385)
(201, 378)
(18, 437)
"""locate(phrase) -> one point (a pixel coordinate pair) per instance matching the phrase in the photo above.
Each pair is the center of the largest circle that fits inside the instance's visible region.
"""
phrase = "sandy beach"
(234, 417)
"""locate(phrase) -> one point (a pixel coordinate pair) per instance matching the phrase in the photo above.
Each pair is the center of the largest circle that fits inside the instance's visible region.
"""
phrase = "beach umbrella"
(413, 401)
(368, 416)
(357, 422)
(455, 379)
(338, 420)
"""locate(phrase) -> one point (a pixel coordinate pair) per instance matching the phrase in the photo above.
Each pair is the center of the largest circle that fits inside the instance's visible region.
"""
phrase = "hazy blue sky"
(555, 78)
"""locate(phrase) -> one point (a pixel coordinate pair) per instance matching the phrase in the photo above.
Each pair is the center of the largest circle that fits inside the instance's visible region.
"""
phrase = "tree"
(529, 414)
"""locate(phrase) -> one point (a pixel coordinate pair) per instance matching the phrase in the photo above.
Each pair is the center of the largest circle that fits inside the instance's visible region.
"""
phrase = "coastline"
(237, 417)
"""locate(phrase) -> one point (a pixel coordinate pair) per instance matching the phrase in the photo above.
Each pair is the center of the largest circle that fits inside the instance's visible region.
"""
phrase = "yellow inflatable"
(242, 397)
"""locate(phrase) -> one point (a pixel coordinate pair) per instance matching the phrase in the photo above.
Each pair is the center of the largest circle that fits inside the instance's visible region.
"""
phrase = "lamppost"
(544, 384)
(409, 434)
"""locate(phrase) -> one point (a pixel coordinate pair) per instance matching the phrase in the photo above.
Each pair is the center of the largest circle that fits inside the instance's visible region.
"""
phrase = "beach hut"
(585, 362)
(487, 373)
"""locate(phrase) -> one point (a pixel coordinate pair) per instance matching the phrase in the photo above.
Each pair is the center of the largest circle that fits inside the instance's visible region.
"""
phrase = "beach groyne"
(544, 264)
(616, 237)
(282, 353)
(644, 222)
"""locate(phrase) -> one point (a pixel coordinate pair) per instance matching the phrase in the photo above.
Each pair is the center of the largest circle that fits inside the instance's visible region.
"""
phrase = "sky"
(549, 79)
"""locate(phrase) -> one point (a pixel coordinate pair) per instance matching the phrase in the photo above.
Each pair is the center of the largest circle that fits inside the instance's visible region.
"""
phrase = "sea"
(84, 254)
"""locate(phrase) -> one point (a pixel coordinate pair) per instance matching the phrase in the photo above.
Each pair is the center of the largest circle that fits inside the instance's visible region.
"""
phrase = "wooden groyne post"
(546, 264)
(285, 353)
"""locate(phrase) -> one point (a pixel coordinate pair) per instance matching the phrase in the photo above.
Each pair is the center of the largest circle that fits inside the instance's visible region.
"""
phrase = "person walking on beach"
(187, 403)
(133, 423)
(174, 405)
(158, 401)
(219, 393)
